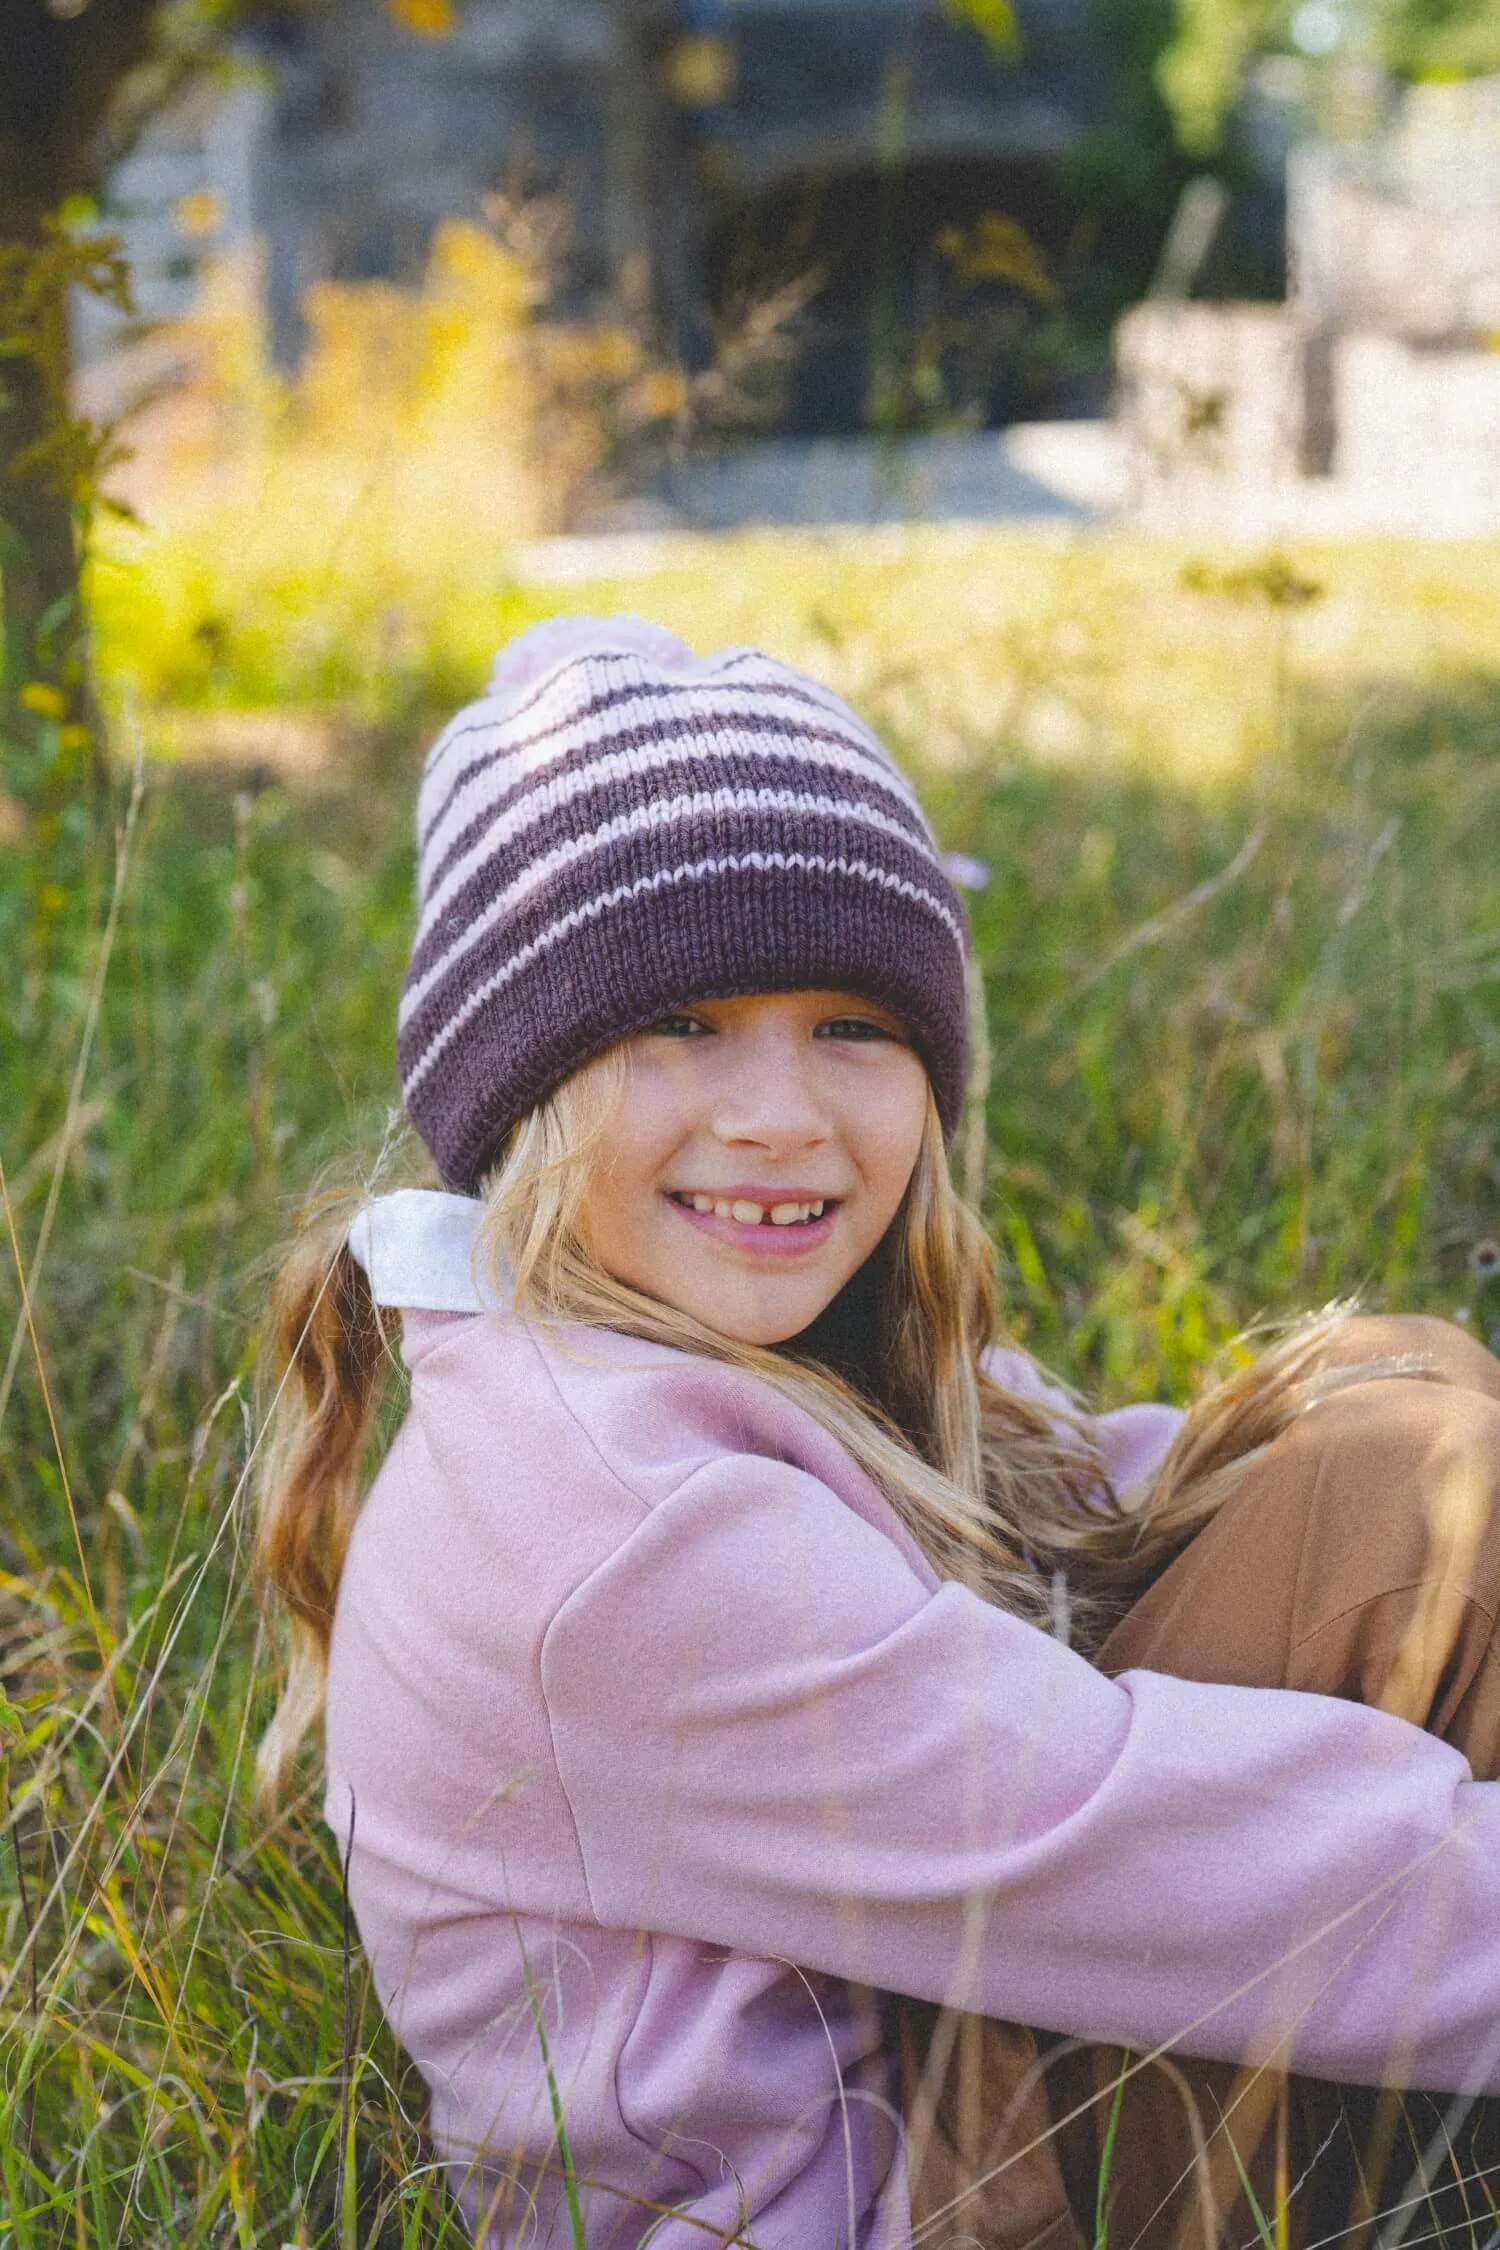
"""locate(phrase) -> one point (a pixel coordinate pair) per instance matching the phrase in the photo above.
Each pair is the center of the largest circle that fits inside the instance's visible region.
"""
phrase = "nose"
(768, 1095)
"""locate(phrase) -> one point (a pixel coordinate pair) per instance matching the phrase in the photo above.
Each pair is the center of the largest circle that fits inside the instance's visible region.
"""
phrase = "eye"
(858, 1028)
(679, 1026)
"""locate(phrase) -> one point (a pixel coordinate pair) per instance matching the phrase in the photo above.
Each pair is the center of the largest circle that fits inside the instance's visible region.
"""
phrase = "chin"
(763, 1326)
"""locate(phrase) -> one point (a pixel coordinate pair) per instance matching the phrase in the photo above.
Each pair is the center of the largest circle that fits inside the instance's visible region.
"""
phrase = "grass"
(1241, 941)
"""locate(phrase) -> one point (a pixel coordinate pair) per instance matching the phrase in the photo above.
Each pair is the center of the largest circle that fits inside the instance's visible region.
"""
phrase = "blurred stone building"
(710, 155)
(1371, 397)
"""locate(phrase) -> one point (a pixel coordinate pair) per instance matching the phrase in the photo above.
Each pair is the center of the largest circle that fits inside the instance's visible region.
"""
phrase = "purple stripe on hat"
(494, 712)
(691, 825)
(597, 780)
(907, 903)
(505, 744)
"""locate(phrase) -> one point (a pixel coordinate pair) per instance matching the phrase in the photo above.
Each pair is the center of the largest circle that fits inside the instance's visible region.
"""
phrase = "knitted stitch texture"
(618, 827)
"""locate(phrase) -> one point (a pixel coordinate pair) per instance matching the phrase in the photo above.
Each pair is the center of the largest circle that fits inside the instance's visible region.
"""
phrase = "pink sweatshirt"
(665, 1747)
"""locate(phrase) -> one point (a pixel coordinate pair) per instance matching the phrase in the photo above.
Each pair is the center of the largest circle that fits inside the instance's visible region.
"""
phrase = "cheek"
(622, 1202)
(888, 1131)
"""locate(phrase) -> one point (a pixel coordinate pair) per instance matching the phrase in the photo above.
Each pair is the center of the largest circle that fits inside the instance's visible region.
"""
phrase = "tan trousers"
(1360, 1558)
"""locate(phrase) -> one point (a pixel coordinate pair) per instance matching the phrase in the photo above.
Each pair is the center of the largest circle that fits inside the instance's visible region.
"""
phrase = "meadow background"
(1240, 942)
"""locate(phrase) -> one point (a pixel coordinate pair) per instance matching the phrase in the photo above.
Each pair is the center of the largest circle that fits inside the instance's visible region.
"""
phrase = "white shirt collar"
(417, 1248)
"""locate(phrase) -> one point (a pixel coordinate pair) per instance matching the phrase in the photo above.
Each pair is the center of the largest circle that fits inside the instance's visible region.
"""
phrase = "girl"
(696, 1666)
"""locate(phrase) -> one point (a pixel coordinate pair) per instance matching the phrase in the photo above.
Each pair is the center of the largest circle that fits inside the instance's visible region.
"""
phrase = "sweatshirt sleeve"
(777, 1739)
(1133, 1441)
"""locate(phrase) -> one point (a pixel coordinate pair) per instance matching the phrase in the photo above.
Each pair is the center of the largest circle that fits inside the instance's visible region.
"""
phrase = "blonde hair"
(999, 1492)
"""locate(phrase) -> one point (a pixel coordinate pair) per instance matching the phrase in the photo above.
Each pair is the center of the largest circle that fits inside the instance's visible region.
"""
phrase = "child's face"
(760, 1151)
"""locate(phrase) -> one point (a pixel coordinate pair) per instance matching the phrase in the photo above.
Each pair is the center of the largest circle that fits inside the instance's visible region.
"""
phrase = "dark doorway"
(936, 288)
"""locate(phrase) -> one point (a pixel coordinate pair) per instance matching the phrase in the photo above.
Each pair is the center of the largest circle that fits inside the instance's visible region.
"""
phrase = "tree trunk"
(40, 553)
(45, 628)
(60, 70)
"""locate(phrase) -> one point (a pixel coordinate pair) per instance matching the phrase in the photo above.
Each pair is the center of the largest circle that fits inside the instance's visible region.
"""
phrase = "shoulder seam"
(698, 1463)
(647, 1509)
(577, 1420)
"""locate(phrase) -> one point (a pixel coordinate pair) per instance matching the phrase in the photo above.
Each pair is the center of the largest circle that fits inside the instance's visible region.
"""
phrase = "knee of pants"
(1451, 1355)
(1310, 1573)
(1401, 1530)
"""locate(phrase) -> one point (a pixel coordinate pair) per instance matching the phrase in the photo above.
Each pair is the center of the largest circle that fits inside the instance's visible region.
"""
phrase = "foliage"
(429, 19)
(1440, 38)
(35, 284)
(1200, 70)
(77, 87)
(1241, 952)
(65, 453)
(994, 20)
(74, 85)
(314, 536)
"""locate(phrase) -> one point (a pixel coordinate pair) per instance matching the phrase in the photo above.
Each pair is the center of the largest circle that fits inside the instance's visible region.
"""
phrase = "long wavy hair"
(999, 1492)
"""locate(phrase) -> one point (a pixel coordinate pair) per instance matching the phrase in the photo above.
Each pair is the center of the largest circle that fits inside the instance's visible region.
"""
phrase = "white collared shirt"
(417, 1248)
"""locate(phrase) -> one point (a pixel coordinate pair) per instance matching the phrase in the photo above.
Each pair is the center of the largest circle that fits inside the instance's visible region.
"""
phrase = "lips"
(749, 1211)
(770, 1223)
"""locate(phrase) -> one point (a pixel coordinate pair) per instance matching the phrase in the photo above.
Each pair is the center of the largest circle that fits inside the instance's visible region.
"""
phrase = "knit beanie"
(618, 827)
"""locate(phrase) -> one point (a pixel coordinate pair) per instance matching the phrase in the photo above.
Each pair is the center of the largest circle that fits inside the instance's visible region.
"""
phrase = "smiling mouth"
(748, 1214)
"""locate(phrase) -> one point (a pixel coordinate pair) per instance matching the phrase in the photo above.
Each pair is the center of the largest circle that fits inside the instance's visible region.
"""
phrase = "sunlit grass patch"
(1068, 647)
(1074, 646)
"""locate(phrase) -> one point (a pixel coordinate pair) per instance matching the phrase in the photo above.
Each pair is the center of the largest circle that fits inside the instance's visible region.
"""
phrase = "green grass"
(1243, 1013)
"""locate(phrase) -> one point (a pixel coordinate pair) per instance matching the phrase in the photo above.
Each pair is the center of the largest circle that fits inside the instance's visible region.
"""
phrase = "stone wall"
(1401, 236)
(1420, 431)
(1371, 398)
(1209, 397)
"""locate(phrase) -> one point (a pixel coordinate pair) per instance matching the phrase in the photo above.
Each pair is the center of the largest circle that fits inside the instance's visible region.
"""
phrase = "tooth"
(722, 1209)
(703, 1202)
(787, 1214)
(815, 1210)
(748, 1214)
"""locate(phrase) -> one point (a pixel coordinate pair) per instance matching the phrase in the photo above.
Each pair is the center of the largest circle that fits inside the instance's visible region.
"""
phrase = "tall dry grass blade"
(26, 1326)
(72, 1119)
(1151, 932)
(346, 2192)
(1106, 2162)
(554, 2098)
(33, 2010)
(974, 1134)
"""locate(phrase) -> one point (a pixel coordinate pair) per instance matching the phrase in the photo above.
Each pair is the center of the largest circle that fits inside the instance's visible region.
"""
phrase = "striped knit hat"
(618, 827)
